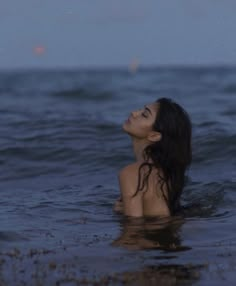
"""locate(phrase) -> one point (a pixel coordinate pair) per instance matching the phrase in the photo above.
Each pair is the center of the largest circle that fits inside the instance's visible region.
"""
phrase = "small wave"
(213, 147)
(207, 124)
(9, 236)
(84, 94)
(231, 112)
(207, 200)
(230, 89)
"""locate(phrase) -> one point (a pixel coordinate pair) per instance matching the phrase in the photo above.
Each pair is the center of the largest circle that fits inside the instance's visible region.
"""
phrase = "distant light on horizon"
(39, 50)
(134, 65)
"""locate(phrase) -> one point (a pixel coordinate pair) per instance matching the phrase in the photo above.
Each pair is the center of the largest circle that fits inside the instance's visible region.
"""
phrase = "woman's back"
(148, 202)
(154, 203)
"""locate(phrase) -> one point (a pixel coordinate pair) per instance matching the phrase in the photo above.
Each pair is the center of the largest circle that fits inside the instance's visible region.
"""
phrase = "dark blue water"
(61, 147)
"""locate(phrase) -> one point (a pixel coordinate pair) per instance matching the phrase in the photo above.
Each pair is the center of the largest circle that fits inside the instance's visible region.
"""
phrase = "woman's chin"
(127, 130)
(125, 127)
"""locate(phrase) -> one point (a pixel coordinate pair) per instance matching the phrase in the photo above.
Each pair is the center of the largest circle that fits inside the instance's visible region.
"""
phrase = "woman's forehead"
(153, 106)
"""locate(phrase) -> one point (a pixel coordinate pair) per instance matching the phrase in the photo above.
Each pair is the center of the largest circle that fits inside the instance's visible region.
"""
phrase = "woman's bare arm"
(128, 180)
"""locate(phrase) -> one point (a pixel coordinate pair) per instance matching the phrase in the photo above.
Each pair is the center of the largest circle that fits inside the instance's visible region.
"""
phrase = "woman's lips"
(127, 120)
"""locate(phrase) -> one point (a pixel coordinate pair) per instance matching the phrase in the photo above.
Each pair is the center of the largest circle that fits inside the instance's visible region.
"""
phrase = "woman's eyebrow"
(148, 109)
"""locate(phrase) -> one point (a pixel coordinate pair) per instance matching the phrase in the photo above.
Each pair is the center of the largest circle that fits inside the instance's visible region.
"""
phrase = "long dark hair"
(171, 155)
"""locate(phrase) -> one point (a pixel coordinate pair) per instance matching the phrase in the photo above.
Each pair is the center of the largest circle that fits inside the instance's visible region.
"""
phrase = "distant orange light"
(39, 50)
(134, 65)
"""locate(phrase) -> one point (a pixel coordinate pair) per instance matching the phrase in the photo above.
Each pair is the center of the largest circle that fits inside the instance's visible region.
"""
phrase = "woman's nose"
(134, 113)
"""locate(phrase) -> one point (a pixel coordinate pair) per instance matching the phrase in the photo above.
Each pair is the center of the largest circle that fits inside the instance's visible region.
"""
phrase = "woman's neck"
(138, 148)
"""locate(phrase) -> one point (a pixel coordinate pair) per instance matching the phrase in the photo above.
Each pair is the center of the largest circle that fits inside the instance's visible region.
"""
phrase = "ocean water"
(61, 147)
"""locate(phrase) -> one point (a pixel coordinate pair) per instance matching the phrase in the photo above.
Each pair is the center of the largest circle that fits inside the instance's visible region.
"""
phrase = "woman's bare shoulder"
(128, 178)
(130, 169)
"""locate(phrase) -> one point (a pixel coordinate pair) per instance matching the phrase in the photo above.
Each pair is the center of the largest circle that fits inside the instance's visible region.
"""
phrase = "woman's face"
(139, 123)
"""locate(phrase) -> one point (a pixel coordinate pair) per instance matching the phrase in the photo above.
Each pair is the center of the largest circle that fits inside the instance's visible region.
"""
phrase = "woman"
(161, 137)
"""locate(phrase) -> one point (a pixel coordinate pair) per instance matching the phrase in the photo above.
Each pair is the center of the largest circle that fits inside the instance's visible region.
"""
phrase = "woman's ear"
(154, 136)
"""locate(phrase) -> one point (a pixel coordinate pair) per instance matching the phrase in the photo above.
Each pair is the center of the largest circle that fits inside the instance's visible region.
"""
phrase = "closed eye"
(148, 109)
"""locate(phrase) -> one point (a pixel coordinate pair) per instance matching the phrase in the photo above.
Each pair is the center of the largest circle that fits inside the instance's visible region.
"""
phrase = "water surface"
(61, 148)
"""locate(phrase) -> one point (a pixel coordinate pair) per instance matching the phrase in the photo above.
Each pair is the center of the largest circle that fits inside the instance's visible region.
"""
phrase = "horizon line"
(118, 67)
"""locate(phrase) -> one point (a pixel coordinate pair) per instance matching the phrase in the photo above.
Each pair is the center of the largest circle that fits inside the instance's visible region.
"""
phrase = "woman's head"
(166, 128)
(161, 118)
(140, 123)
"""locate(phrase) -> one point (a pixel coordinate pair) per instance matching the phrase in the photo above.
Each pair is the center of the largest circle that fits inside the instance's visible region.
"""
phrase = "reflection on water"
(160, 234)
(151, 233)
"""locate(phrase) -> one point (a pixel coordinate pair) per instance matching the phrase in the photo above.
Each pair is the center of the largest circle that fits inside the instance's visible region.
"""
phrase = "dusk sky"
(104, 33)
